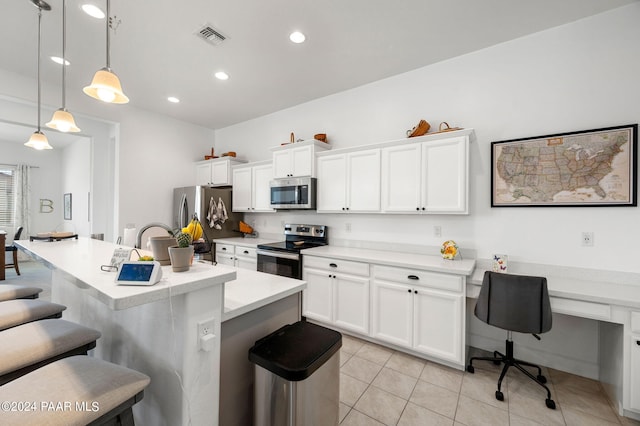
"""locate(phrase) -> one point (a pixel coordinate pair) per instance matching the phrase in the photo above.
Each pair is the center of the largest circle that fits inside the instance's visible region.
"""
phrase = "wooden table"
(3, 241)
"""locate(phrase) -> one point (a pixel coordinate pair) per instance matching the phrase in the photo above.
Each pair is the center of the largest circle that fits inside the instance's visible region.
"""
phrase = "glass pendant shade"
(106, 87)
(38, 141)
(63, 121)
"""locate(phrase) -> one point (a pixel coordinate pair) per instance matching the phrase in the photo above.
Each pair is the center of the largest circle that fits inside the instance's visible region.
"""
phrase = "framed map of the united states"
(585, 168)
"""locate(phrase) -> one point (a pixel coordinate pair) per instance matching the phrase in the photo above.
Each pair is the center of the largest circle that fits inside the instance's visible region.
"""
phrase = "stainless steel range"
(284, 258)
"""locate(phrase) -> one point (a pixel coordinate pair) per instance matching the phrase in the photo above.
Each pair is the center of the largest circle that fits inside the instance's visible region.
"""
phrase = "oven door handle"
(272, 253)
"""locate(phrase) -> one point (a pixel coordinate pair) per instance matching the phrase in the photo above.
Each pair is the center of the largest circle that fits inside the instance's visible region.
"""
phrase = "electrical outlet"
(205, 334)
(347, 227)
(437, 231)
(587, 239)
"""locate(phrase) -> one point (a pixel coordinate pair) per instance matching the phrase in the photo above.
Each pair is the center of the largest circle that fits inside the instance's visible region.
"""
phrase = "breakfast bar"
(154, 329)
(151, 329)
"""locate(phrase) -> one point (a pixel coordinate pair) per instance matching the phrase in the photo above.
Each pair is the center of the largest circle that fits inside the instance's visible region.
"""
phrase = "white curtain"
(23, 198)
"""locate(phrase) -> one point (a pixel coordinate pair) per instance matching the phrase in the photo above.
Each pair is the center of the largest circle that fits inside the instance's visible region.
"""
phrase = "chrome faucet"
(150, 225)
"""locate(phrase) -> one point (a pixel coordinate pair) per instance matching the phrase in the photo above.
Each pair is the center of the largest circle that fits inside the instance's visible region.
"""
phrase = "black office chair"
(514, 303)
(12, 248)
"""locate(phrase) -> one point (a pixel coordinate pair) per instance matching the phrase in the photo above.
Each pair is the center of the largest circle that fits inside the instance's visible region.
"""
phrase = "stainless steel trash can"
(297, 376)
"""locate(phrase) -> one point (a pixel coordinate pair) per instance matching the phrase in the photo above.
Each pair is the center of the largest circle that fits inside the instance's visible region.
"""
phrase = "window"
(7, 196)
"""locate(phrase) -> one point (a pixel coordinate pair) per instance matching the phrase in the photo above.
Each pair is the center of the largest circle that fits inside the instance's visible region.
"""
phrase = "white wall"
(578, 76)
(46, 184)
(76, 175)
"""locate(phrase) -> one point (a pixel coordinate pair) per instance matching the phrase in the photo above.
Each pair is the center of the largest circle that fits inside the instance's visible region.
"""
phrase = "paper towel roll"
(129, 239)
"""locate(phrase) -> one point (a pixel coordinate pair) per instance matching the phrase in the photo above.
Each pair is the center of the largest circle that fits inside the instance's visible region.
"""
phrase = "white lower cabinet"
(634, 357)
(419, 310)
(237, 256)
(337, 292)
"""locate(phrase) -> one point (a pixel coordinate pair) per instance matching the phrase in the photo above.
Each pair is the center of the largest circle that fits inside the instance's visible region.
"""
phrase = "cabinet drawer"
(337, 265)
(580, 308)
(246, 252)
(224, 248)
(417, 277)
(635, 322)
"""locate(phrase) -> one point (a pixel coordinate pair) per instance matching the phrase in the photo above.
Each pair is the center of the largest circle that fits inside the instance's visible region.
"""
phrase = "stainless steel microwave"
(293, 193)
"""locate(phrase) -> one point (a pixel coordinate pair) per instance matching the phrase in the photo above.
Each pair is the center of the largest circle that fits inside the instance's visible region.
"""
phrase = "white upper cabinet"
(427, 177)
(215, 172)
(349, 182)
(444, 176)
(298, 159)
(251, 192)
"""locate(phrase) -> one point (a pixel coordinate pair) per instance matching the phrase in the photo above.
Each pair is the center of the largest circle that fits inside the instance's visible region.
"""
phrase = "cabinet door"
(438, 324)
(246, 263)
(225, 258)
(351, 303)
(363, 181)
(401, 175)
(392, 313)
(220, 173)
(203, 174)
(331, 190)
(317, 298)
(241, 194)
(262, 175)
(282, 163)
(302, 159)
(634, 394)
(444, 167)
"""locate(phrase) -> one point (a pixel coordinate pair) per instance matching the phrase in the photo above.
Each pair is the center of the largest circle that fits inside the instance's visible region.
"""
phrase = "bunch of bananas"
(194, 228)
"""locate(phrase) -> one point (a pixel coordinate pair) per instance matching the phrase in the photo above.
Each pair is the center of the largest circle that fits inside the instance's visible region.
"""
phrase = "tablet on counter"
(139, 273)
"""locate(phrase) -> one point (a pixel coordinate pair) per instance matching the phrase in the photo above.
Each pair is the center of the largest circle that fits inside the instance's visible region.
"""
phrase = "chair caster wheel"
(470, 369)
(550, 403)
(500, 396)
(541, 378)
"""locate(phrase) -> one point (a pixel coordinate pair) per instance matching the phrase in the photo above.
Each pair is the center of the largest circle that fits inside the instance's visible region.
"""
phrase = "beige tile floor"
(380, 386)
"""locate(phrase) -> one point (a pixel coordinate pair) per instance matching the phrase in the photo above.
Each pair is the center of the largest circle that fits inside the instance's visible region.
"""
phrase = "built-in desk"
(596, 318)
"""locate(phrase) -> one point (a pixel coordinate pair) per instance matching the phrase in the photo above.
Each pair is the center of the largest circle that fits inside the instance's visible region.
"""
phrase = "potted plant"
(160, 248)
(182, 254)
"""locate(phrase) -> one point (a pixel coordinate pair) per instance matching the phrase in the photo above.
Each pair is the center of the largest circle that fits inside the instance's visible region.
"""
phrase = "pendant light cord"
(39, 37)
(108, 38)
(64, 58)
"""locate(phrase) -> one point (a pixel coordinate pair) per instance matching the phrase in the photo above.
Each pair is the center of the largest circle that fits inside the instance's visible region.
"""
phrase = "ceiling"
(349, 43)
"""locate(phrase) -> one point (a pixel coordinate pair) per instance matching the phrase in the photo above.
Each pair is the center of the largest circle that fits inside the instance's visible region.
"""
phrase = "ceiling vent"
(210, 35)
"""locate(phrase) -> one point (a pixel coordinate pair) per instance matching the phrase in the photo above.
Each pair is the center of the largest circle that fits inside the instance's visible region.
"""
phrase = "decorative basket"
(420, 129)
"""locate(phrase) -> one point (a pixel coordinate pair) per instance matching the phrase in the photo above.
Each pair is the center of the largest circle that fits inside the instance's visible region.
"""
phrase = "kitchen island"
(153, 329)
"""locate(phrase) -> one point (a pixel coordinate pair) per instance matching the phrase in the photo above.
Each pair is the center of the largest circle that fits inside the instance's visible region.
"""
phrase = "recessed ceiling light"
(58, 60)
(173, 99)
(93, 10)
(297, 37)
(221, 75)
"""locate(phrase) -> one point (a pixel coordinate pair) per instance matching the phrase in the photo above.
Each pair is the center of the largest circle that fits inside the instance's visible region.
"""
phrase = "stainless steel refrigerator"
(212, 207)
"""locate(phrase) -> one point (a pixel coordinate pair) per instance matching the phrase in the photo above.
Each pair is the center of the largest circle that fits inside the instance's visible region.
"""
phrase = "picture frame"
(588, 168)
(67, 206)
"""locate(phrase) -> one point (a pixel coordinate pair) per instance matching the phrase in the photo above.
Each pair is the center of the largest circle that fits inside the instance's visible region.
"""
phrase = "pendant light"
(38, 140)
(62, 119)
(105, 85)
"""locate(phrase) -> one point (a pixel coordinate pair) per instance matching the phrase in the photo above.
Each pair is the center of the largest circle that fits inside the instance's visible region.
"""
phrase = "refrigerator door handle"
(183, 211)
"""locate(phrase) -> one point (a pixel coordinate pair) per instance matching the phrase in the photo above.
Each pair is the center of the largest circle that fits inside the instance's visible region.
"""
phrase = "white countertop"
(252, 290)
(596, 290)
(246, 242)
(81, 259)
(392, 258)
